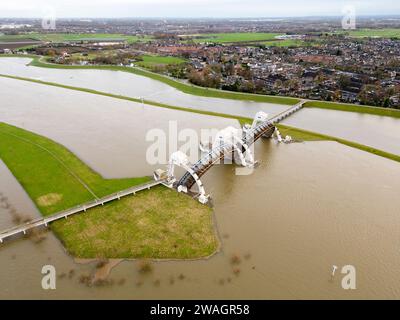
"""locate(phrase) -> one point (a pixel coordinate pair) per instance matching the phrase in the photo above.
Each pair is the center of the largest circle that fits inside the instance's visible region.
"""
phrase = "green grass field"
(378, 33)
(152, 61)
(160, 223)
(305, 135)
(234, 37)
(63, 37)
(156, 223)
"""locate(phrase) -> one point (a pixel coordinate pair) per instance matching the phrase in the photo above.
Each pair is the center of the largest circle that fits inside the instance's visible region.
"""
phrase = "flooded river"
(304, 209)
(376, 131)
(307, 207)
(131, 85)
(101, 131)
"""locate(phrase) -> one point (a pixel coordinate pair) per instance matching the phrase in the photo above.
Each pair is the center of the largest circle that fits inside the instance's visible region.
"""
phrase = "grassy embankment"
(305, 135)
(148, 102)
(378, 111)
(181, 86)
(159, 223)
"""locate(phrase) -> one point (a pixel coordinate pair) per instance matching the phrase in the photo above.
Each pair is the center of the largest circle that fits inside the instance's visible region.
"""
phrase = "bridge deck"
(82, 208)
(283, 115)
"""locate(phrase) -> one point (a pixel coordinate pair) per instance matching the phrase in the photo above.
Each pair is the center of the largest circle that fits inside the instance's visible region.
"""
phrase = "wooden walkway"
(22, 229)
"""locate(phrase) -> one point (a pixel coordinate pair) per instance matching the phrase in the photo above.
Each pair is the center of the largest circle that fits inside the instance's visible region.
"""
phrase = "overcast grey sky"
(192, 8)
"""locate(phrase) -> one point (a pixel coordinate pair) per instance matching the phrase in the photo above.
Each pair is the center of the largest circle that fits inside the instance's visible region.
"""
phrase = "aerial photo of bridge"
(199, 159)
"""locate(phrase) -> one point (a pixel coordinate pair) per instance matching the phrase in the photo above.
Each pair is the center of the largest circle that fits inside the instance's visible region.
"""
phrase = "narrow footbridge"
(262, 127)
(23, 229)
(283, 115)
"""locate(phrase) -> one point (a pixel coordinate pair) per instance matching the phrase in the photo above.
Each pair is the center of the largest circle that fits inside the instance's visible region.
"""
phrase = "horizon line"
(397, 15)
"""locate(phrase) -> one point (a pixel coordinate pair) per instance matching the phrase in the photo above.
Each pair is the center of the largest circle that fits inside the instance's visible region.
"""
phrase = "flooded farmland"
(305, 208)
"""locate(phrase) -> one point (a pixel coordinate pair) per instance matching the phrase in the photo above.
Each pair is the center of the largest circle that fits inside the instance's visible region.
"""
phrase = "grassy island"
(158, 223)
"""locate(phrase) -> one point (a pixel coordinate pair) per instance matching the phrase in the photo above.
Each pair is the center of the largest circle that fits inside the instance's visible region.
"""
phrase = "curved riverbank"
(378, 111)
(38, 61)
(183, 87)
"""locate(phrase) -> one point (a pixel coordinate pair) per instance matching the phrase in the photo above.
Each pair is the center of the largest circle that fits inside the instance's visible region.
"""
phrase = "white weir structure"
(230, 145)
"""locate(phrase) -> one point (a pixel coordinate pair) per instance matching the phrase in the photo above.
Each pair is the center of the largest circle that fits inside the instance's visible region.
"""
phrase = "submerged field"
(158, 223)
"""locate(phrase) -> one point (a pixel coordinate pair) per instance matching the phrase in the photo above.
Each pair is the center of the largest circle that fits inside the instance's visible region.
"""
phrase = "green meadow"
(149, 61)
(377, 33)
(234, 37)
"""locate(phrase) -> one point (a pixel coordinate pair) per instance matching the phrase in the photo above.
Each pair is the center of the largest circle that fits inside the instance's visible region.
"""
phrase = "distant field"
(21, 37)
(18, 44)
(151, 61)
(235, 37)
(380, 33)
(61, 37)
(286, 43)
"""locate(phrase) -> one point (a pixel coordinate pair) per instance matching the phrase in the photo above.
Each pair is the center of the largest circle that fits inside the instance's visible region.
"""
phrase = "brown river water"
(307, 207)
